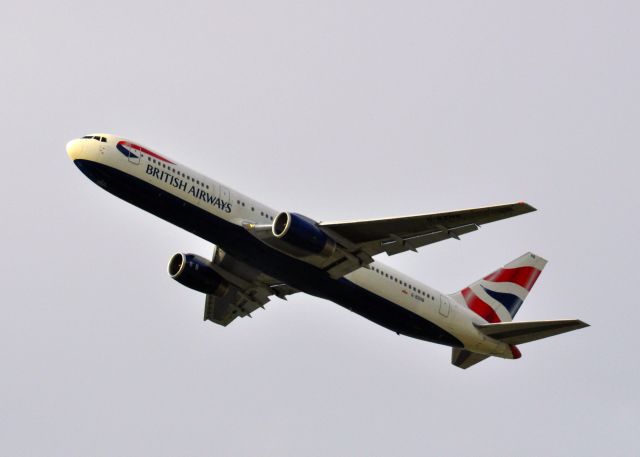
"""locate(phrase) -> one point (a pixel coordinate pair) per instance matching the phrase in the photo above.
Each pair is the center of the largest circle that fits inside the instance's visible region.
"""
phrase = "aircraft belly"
(240, 244)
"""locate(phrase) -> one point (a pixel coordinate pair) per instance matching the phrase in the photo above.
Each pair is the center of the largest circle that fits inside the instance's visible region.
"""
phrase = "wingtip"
(527, 207)
(578, 324)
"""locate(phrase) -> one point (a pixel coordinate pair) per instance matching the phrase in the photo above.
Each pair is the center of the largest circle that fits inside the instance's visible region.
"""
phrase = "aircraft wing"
(363, 239)
(248, 290)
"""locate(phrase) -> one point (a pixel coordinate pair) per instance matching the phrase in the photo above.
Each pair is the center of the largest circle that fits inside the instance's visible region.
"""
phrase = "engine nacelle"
(302, 233)
(196, 273)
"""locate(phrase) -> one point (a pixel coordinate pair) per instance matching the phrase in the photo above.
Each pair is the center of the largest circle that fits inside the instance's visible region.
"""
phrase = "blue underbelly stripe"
(236, 241)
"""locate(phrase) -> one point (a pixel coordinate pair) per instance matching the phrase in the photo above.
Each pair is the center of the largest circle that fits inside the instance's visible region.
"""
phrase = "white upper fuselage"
(236, 208)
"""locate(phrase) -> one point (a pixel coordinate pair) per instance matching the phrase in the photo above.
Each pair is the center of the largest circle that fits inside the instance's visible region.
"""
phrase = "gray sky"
(338, 110)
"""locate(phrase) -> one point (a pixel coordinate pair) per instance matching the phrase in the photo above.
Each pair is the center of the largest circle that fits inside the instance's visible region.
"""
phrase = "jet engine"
(302, 233)
(196, 273)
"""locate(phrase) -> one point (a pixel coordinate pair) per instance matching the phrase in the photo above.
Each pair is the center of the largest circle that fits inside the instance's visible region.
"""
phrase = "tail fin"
(498, 296)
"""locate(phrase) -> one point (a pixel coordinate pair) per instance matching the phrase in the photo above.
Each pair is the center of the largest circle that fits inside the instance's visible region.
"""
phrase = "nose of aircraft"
(74, 149)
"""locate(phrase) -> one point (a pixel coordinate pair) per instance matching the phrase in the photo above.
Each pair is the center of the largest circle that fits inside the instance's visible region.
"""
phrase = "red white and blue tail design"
(498, 296)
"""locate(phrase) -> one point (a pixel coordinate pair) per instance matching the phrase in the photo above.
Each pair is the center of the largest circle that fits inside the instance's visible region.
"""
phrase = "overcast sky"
(338, 110)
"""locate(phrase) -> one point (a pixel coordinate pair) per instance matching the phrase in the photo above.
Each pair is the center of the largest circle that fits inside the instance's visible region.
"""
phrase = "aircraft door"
(224, 194)
(445, 306)
(134, 155)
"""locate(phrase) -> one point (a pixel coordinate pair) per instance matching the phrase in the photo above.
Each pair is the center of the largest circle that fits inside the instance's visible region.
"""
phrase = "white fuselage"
(223, 202)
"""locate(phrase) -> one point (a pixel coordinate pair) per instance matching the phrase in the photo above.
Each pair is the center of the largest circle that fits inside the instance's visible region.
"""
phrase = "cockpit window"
(95, 137)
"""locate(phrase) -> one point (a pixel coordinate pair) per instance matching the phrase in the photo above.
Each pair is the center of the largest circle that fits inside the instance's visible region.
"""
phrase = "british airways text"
(187, 187)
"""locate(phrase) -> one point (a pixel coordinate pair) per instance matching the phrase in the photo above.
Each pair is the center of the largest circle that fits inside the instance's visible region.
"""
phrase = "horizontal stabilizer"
(464, 359)
(524, 332)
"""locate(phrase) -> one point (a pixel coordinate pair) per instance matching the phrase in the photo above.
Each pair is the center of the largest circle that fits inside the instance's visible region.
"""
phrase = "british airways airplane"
(260, 252)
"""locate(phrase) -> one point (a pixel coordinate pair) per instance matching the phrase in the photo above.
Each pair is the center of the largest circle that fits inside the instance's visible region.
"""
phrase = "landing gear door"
(445, 306)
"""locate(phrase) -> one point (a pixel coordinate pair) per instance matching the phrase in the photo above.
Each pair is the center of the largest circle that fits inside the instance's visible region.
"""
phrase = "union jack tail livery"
(498, 296)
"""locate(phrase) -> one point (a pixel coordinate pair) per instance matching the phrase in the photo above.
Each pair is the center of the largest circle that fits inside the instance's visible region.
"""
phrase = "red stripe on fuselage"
(523, 276)
(146, 151)
(479, 307)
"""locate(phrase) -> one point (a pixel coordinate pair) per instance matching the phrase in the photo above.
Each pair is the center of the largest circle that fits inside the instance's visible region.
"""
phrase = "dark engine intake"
(302, 233)
(196, 273)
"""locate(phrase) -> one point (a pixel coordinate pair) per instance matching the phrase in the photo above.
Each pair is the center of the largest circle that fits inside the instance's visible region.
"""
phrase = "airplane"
(260, 253)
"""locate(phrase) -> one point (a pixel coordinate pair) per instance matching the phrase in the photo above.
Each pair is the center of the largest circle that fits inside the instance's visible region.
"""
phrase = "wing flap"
(397, 245)
(524, 332)
(235, 303)
(248, 289)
